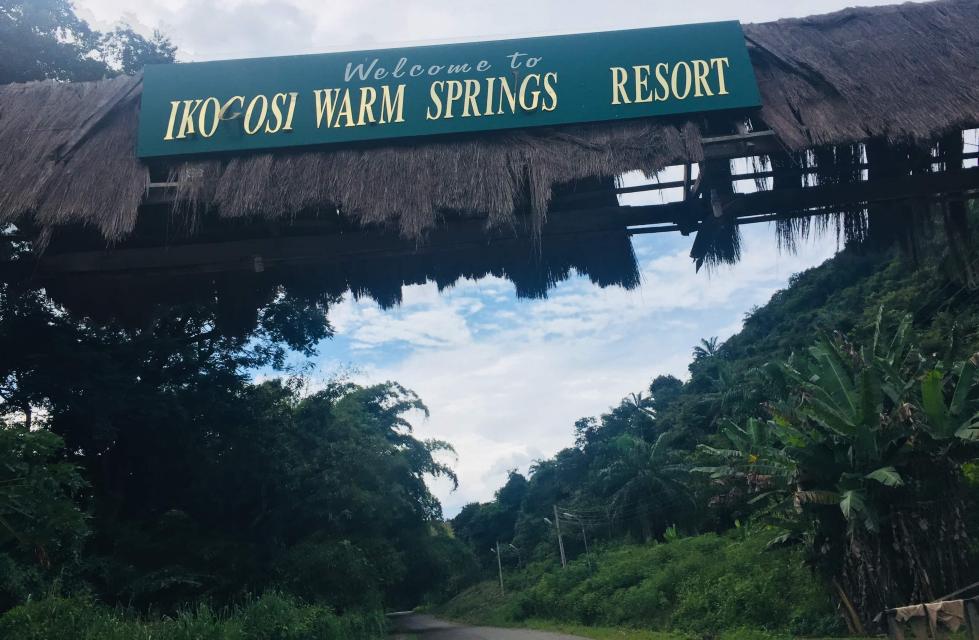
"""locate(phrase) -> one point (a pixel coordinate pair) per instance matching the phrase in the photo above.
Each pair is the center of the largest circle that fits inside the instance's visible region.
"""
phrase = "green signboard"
(268, 103)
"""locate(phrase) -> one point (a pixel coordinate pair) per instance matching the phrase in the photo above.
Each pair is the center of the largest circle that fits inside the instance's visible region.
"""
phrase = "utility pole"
(584, 535)
(519, 555)
(560, 540)
(499, 565)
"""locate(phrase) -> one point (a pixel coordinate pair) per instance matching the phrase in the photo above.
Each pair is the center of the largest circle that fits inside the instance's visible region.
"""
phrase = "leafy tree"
(483, 525)
(40, 523)
(127, 51)
(665, 391)
(645, 481)
(867, 440)
(45, 39)
(203, 484)
(323, 496)
(706, 349)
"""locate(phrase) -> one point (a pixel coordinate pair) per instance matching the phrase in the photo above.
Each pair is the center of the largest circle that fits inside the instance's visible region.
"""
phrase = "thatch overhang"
(903, 75)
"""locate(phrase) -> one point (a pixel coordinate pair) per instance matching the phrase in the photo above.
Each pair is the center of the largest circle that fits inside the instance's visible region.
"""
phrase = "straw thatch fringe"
(493, 177)
(52, 170)
(606, 258)
(906, 73)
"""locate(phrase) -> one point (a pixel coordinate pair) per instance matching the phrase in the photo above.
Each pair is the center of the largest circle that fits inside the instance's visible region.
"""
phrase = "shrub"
(270, 617)
(705, 584)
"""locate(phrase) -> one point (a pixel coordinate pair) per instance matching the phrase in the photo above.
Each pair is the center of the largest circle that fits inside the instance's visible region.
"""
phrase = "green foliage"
(323, 496)
(41, 39)
(202, 485)
(702, 584)
(877, 433)
(270, 617)
(40, 524)
(645, 479)
(36, 489)
(970, 471)
(124, 50)
(747, 633)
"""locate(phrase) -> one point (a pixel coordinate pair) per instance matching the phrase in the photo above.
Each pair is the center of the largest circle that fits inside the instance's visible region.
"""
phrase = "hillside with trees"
(840, 426)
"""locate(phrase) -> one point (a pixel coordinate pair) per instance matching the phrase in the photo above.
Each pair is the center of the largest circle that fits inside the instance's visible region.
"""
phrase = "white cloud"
(505, 382)
(215, 29)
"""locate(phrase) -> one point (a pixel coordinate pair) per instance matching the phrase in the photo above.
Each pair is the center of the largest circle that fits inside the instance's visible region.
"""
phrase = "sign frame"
(321, 99)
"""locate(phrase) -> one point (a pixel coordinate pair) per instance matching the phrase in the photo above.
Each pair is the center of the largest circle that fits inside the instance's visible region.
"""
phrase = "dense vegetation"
(149, 487)
(143, 467)
(271, 616)
(45, 39)
(841, 422)
(697, 585)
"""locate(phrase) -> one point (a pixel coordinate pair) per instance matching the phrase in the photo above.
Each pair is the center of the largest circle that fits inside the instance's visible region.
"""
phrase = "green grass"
(481, 605)
(725, 587)
(270, 617)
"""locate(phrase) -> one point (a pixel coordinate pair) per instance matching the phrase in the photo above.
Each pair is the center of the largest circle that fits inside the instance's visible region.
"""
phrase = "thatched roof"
(908, 73)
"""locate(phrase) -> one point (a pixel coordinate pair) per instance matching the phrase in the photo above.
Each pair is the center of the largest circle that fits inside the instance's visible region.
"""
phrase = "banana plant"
(858, 437)
(850, 426)
(753, 451)
(958, 418)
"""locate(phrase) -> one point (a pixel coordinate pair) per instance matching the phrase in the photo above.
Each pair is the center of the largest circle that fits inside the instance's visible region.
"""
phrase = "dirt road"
(426, 627)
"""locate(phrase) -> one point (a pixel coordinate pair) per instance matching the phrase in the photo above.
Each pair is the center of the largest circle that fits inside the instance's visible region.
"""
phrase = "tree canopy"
(45, 39)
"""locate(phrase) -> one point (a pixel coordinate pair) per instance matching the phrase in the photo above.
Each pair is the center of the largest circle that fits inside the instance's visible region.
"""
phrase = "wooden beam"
(756, 143)
(762, 206)
(241, 255)
(906, 188)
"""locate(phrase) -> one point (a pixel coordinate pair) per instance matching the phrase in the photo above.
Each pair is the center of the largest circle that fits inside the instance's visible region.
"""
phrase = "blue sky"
(505, 379)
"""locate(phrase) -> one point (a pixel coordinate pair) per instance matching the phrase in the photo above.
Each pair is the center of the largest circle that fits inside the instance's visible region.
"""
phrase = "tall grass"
(271, 617)
(706, 585)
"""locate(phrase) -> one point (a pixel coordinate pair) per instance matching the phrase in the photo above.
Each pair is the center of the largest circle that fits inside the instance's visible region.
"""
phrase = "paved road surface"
(427, 627)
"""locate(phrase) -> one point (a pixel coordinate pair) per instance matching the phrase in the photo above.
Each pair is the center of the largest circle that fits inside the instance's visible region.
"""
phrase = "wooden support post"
(972, 617)
(920, 629)
(689, 221)
(499, 565)
(560, 540)
(894, 630)
(718, 239)
(955, 213)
